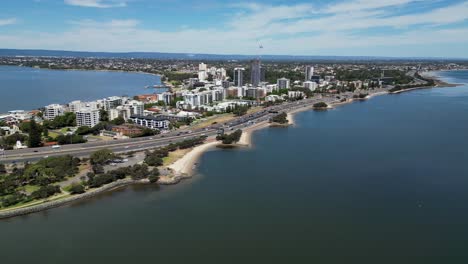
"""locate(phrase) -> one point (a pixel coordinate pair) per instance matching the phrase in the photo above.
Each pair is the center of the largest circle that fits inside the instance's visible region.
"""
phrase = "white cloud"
(356, 5)
(96, 3)
(8, 21)
(283, 29)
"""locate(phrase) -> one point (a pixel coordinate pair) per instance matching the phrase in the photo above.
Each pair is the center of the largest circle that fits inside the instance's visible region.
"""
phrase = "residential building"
(295, 94)
(127, 130)
(283, 83)
(256, 74)
(225, 84)
(147, 98)
(113, 102)
(166, 97)
(310, 85)
(87, 117)
(273, 98)
(239, 77)
(53, 110)
(315, 78)
(153, 122)
(309, 72)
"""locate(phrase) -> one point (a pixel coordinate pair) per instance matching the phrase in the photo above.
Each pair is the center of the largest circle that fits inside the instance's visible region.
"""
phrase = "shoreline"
(184, 167)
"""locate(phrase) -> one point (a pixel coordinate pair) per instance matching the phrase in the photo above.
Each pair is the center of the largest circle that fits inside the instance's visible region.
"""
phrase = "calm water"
(382, 181)
(27, 88)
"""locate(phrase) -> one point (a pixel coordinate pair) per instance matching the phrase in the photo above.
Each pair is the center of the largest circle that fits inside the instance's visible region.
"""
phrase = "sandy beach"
(246, 138)
(185, 165)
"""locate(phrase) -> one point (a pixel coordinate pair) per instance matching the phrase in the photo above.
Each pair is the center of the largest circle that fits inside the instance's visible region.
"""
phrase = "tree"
(101, 156)
(118, 121)
(2, 169)
(70, 139)
(77, 188)
(154, 175)
(280, 118)
(103, 115)
(83, 130)
(34, 135)
(320, 105)
(231, 138)
(98, 169)
(240, 110)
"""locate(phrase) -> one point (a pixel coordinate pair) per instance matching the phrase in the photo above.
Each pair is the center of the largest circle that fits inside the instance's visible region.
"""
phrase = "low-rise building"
(127, 130)
(147, 98)
(295, 94)
(153, 122)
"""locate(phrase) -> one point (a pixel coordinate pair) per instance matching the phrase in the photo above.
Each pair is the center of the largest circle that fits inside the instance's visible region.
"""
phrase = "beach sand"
(184, 166)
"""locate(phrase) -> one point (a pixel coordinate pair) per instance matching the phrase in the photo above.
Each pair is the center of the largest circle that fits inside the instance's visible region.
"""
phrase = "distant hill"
(185, 56)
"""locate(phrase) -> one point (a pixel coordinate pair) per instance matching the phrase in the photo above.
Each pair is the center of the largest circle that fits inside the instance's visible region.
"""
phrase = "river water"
(27, 88)
(380, 181)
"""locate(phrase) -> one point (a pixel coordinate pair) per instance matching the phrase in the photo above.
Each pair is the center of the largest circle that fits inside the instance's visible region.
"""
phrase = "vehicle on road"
(56, 146)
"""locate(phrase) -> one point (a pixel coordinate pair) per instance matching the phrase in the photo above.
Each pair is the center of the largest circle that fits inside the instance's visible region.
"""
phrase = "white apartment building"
(311, 85)
(113, 102)
(283, 83)
(77, 106)
(87, 117)
(127, 110)
(53, 110)
(153, 122)
(166, 97)
(295, 94)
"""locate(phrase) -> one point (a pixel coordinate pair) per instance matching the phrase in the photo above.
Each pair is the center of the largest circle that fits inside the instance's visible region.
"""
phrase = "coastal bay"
(25, 88)
(336, 197)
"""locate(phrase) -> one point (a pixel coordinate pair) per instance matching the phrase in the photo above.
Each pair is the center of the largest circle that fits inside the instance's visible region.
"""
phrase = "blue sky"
(428, 28)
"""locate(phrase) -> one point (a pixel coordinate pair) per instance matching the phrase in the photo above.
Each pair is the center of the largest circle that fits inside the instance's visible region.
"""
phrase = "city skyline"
(394, 28)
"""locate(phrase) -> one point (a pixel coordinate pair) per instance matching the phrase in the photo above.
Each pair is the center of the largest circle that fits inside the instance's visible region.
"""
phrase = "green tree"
(101, 156)
(77, 188)
(154, 175)
(103, 115)
(34, 135)
(2, 169)
(118, 121)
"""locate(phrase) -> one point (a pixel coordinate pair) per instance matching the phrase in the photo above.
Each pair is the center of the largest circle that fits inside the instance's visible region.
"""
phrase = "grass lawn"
(223, 118)
(54, 134)
(254, 110)
(174, 156)
(31, 188)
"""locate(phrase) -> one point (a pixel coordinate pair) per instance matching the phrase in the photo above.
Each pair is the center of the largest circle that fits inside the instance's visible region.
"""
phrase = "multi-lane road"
(138, 144)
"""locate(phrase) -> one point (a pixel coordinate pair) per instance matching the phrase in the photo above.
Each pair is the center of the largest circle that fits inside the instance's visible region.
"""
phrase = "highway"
(144, 143)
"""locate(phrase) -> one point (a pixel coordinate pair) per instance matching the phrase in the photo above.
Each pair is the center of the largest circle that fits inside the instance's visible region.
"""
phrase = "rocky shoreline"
(9, 213)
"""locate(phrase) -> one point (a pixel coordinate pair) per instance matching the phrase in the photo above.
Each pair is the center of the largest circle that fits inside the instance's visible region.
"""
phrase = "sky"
(394, 28)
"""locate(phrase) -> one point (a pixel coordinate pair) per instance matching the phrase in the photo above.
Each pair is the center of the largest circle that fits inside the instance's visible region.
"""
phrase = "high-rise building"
(283, 83)
(256, 74)
(239, 77)
(309, 72)
(202, 72)
(202, 67)
(87, 117)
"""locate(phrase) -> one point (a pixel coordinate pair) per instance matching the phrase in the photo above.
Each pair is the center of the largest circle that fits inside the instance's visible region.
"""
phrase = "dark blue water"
(27, 88)
(381, 181)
